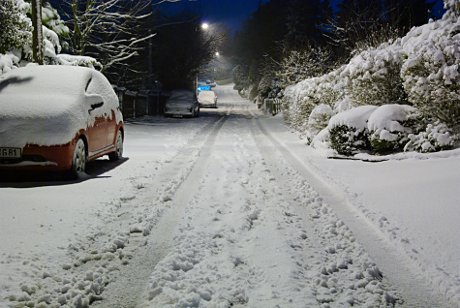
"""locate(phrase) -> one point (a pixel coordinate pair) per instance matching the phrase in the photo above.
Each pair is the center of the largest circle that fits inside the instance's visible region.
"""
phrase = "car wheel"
(78, 159)
(118, 153)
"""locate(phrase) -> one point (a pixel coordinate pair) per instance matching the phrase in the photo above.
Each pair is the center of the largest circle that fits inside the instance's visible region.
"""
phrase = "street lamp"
(217, 54)
(205, 26)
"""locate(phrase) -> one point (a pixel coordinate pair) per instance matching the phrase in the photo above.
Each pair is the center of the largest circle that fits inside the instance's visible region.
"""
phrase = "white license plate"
(10, 153)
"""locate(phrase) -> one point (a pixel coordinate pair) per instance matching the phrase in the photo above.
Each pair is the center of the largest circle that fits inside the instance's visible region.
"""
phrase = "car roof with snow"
(207, 93)
(64, 80)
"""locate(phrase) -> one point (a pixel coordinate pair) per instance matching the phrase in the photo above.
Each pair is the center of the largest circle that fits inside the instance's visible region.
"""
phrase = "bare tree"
(108, 30)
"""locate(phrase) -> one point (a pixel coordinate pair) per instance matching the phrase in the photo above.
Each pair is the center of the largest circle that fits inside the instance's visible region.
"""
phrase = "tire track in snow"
(341, 273)
(128, 289)
(398, 269)
(250, 239)
(112, 250)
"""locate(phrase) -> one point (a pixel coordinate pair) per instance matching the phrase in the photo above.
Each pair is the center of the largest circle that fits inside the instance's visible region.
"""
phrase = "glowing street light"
(217, 54)
(205, 26)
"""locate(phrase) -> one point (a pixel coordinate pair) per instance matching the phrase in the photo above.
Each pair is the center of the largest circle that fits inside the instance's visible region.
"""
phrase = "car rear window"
(182, 95)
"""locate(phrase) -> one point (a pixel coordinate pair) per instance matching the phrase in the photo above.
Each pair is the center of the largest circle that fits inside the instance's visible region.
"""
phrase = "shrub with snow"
(390, 125)
(349, 132)
(302, 98)
(435, 137)
(373, 76)
(8, 61)
(318, 119)
(431, 73)
(16, 28)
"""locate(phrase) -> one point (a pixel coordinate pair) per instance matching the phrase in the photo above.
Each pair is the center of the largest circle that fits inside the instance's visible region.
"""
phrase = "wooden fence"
(272, 106)
(135, 104)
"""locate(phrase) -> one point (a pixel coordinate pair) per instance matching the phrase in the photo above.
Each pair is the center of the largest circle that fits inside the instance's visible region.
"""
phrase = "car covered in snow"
(182, 103)
(207, 99)
(57, 118)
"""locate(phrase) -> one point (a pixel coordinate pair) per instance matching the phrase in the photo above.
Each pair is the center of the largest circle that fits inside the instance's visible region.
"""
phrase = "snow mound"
(356, 118)
(388, 118)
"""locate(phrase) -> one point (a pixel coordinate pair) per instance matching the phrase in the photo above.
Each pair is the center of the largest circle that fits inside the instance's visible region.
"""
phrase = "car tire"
(118, 153)
(79, 159)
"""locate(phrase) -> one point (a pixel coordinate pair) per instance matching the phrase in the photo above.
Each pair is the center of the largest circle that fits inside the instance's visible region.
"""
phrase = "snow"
(47, 105)
(356, 118)
(66, 59)
(206, 97)
(389, 118)
(8, 62)
(233, 209)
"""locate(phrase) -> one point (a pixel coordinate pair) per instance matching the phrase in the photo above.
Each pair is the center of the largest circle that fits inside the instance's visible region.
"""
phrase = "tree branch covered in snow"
(108, 30)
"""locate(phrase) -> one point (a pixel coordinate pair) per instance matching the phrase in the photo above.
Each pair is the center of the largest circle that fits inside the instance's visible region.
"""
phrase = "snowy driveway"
(210, 212)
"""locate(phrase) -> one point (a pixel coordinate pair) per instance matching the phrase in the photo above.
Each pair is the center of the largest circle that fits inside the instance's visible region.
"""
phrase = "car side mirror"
(95, 106)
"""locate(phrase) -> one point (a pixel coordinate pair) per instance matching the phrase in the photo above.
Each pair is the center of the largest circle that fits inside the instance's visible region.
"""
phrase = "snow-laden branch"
(110, 30)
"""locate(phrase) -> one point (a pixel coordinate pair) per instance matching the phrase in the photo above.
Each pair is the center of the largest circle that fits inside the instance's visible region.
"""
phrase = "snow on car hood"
(29, 120)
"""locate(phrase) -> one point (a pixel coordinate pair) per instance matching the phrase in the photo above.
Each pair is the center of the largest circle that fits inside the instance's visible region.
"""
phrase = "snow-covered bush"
(300, 99)
(16, 28)
(431, 73)
(52, 20)
(8, 62)
(349, 132)
(65, 59)
(452, 7)
(435, 137)
(390, 125)
(373, 76)
(298, 65)
(318, 120)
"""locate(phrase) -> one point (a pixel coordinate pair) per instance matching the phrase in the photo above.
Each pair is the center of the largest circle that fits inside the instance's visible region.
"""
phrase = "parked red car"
(57, 118)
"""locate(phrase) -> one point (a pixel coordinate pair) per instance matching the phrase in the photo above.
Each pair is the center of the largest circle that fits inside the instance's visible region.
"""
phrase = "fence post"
(134, 106)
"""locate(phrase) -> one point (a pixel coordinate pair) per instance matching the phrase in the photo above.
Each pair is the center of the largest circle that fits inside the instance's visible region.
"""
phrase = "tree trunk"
(37, 38)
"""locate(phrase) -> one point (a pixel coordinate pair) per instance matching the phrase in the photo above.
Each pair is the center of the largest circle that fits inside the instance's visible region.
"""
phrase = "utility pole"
(37, 35)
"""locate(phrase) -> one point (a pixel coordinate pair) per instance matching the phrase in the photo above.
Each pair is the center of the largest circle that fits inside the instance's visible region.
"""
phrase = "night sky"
(231, 13)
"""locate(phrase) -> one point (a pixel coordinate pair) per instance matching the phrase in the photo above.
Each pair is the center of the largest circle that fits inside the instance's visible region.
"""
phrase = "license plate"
(10, 153)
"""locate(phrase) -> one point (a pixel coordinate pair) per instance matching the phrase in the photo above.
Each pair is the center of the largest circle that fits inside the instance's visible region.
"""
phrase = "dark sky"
(231, 12)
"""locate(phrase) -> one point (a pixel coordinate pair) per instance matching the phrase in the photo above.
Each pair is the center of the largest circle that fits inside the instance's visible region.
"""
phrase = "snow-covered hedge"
(319, 119)
(431, 72)
(300, 99)
(390, 126)
(373, 76)
(348, 130)
(435, 137)
(15, 26)
(421, 69)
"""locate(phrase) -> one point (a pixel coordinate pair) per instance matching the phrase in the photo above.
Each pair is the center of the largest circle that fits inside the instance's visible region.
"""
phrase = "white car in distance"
(207, 99)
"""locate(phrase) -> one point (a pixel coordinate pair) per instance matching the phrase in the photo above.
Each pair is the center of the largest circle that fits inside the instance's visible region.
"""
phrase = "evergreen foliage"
(348, 140)
(15, 28)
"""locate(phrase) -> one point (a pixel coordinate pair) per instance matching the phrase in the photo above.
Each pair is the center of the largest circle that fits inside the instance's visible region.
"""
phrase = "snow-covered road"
(217, 211)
